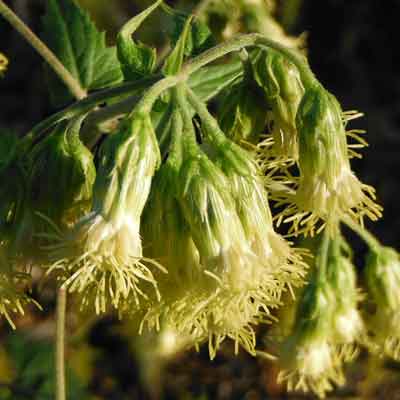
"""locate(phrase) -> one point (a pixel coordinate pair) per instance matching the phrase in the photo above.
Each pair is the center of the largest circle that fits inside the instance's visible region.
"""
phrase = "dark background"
(352, 48)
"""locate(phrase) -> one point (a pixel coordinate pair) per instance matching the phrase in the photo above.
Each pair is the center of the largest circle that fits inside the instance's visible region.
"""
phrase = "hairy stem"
(190, 68)
(322, 255)
(72, 84)
(60, 344)
(90, 102)
(366, 236)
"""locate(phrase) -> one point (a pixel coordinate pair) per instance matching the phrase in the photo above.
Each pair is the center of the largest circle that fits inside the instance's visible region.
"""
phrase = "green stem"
(251, 40)
(85, 105)
(189, 135)
(72, 84)
(60, 344)
(206, 117)
(322, 255)
(368, 237)
(145, 105)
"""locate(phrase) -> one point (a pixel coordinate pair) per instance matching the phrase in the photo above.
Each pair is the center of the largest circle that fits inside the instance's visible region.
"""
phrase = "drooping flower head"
(327, 326)
(103, 252)
(382, 277)
(309, 360)
(327, 188)
(252, 207)
(347, 322)
(284, 90)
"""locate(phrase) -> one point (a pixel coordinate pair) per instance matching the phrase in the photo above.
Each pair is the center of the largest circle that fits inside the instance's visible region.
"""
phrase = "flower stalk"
(61, 393)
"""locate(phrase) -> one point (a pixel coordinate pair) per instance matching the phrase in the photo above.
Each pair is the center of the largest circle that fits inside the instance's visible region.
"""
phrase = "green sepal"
(75, 40)
(137, 60)
(314, 314)
(322, 138)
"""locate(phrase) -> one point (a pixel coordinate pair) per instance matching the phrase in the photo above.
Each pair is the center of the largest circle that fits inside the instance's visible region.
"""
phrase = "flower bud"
(382, 277)
(347, 322)
(284, 90)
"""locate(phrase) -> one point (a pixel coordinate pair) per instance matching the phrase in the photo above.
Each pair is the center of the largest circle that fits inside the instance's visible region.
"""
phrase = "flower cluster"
(226, 266)
(162, 213)
(308, 152)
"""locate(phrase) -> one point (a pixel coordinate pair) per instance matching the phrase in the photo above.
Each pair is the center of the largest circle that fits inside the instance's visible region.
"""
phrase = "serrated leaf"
(174, 61)
(73, 37)
(137, 60)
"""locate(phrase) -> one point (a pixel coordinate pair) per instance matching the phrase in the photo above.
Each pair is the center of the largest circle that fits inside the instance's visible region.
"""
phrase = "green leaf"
(174, 61)
(199, 37)
(208, 81)
(137, 60)
(34, 369)
(73, 37)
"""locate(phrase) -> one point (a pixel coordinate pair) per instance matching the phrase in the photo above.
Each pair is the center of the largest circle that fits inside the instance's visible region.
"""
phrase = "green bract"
(61, 175)
(281, 82)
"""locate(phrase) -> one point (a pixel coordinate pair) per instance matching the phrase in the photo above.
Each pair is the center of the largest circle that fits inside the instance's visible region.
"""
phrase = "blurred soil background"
(352, 47)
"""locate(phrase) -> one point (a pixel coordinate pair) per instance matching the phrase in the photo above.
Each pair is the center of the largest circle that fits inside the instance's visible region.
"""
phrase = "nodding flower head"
(102, 253)
(382, 276)
(229, 287)
(252, 206)
(347, 322)
(309, 360)
(327, 188)
(284, 90)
